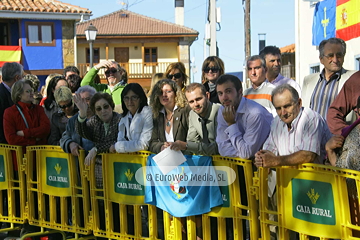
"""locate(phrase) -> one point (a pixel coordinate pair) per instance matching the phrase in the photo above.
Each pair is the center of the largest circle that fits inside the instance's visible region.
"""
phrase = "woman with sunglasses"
(49, 103)
(25, 123)
(170, 115)
(63, 98)
(176, 72)
(101, 129)
(136, 124)
(212, 69)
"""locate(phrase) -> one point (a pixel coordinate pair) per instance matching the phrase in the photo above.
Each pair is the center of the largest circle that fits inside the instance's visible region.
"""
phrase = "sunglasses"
(105, 107)
(176, 75)
(66, 105)
(132, 98)
(111, 70)
(213, 69)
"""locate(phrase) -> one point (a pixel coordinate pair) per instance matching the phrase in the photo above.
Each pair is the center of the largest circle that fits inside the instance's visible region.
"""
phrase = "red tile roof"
(288, 49)
(124, 22)
(41, 6)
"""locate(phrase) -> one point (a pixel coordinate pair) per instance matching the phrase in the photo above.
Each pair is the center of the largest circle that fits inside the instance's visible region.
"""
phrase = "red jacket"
(39, 125)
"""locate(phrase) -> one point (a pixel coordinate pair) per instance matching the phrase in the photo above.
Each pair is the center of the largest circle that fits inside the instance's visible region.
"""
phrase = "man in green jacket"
(116, 77)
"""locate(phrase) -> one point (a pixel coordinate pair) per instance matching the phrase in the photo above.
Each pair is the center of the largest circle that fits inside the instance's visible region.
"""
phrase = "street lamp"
(90, 34)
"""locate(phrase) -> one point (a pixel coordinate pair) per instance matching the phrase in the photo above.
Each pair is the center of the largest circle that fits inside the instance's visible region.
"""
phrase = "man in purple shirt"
(243, 125)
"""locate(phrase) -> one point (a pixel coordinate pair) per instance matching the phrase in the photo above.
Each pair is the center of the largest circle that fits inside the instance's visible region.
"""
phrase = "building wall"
(68, 42)
(308, 55)
(42, 58)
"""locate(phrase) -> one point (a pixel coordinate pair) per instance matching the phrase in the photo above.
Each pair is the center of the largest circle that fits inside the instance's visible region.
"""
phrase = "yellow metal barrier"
(58, 196)
(312, 200)
(12, 185)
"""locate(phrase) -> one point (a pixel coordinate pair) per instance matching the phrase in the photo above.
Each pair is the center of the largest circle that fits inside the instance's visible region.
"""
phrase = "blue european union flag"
(324, 21)
(181, 197)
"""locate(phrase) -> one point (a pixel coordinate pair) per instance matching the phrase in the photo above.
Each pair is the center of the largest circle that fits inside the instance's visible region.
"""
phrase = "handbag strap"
(22, 115)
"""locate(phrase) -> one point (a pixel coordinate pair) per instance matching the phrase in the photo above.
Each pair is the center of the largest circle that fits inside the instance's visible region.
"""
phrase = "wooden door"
(122, 57)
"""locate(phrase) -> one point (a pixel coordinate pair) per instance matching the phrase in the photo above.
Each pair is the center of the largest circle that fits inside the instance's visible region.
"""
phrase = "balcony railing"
(134, 70)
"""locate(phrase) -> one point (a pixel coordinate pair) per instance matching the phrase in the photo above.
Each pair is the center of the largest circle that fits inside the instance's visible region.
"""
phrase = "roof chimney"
(179, 12)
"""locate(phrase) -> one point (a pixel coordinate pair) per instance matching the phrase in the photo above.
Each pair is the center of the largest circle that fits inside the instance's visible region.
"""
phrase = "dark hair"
(332, 41)
(50, 91)
(193, 86)
(230, 78)
(98, 96)
(280, 89)
(254, 58)
(138, 90)
(273, 50)
(71, 69)
(74, 82)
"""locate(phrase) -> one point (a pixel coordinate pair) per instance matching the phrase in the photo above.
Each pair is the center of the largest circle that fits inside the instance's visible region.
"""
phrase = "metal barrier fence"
(54, 191)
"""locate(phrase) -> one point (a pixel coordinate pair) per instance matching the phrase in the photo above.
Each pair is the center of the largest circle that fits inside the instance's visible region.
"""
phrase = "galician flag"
(9, 54)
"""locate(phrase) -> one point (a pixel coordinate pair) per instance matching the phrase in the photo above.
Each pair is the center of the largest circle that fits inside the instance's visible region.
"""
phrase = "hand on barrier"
(334, 142)
(74, 148)
(265, 158)
(112, 149)
(89, 159)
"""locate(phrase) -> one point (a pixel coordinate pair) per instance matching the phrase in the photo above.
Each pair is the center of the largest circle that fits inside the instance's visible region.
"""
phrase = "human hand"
(112, 149)
(20, 133)
(265, 158)
(104, 64)
(165, 145)
(178, 145)
(89, 159)
(74, 149)
(81, 105)
(334, 142)
(229, 115)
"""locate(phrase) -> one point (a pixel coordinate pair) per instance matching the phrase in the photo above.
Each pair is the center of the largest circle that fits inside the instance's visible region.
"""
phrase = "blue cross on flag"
(324, 21)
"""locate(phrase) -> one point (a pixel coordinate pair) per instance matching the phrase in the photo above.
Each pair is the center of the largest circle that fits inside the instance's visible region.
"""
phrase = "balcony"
(134, 70)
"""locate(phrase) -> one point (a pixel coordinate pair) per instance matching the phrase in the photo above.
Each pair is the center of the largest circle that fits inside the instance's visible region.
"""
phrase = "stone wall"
(68, 42)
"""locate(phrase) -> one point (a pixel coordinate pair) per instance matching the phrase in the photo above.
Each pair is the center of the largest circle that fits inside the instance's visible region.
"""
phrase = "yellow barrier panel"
(312, 200)
(12, 185)
(117, 206)
(57, 193)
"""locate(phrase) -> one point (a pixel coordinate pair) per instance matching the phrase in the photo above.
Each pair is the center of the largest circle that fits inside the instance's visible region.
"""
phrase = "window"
(315, 68)
(150, 55)
(40, 34)
(4, 34)
(96, 56)
(357, 62)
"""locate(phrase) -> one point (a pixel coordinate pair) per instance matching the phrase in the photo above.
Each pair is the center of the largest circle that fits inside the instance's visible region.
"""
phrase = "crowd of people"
(275, 122)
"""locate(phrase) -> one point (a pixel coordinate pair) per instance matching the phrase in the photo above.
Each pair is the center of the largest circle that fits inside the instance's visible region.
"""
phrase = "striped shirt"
(324, 93)
(262, 95)
(308, 132)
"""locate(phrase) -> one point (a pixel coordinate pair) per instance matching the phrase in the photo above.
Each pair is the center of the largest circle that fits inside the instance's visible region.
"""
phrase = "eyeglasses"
(213, 69)
(132, 98)
(332, 55)
(176, 75)
(105, 107)
(66, 105)
(111, 70)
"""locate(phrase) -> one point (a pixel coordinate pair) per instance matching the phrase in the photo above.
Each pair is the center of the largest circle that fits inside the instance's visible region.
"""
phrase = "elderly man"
(319, 91)
(272, 56)
(71, 141)
(202, 122)
(243, 125)
(260, 90)
(11, 73)
(116, 77)
(298, 135)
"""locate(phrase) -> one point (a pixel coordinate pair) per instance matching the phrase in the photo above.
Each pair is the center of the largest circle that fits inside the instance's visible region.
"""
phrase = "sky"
(273, 17)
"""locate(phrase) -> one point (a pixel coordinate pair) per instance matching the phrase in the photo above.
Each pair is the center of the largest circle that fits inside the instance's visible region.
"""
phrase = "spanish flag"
(9, 54)
(347, 19)
(340, 18)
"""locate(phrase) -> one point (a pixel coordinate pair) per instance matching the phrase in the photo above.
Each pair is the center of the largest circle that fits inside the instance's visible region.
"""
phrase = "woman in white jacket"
(136, 124)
